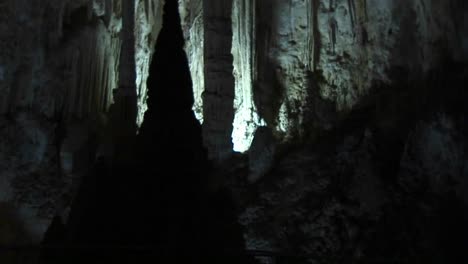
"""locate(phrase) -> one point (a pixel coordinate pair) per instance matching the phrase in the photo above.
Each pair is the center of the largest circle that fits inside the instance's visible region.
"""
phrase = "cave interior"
(233, 131)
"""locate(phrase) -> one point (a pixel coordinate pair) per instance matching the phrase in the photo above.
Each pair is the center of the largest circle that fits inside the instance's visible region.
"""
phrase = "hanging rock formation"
(348, 47)
(156, 205)
(243, 25)
(59, 63)
(362, 95)
(218, 94)
(352, 114)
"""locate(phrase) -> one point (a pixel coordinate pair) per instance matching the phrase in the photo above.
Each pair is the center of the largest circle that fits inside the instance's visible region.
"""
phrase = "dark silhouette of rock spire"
(170, 127)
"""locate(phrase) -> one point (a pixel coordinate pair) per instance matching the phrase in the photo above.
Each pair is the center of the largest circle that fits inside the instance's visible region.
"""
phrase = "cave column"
(313, 35)
(246, 118)
(218, 96)
(124, 111)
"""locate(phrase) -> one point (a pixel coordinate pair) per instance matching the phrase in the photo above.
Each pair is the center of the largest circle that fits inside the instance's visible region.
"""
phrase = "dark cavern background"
(233, 131)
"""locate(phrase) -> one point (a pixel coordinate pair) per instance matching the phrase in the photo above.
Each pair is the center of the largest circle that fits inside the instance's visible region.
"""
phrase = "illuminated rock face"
(245, 116)
(191, 15)
(288, 54)
(346, 46)
(148, 22)
(246, 119)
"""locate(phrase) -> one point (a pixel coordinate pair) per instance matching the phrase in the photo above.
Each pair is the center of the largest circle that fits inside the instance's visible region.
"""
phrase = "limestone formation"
(59, 65)
(218, 94)
(349, 46)
(358, 108)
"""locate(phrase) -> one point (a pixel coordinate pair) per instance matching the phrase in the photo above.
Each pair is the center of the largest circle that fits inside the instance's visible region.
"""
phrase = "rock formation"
(348, 46)
(336, 128)
(218, 93)
(59, 64)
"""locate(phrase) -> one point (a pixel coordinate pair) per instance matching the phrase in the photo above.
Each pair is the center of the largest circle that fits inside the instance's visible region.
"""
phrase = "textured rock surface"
(261, 153)
(384, 177)
(360, 104)
(191, 16)
(59, 62)
(348, 47)
(331, 202)
(310, 201)
(246, 118)
(148, 22)
(218, 94)
(433, 155)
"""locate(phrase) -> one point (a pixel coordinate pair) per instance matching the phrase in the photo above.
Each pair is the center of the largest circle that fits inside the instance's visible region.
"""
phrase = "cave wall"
(369, 97)
(379, 105)
(298, 67)
(59, 64)
(289, 54)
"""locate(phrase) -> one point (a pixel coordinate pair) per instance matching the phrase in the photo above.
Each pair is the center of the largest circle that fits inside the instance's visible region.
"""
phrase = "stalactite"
(314, 33)
(352, 13)
(73, 81)
(192, 24)
(218, 97)
(291, 20)
(93, 58)
(127, 74)
(310, 62)
(123, 113)
(148, 21)
(92, 76)
(246, 119)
